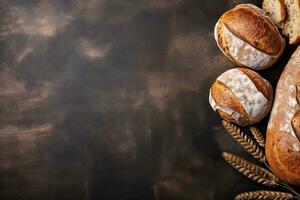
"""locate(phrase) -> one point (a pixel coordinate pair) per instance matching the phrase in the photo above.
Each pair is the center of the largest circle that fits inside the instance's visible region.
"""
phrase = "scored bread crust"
(237, 36)
(261, 84)
(222, 44)
(241, 96)
(282, 144)
(254, 28)
(226, 103)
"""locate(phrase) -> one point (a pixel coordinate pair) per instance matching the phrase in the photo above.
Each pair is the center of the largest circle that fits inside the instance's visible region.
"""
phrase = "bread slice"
(291, 26)
(275, 10)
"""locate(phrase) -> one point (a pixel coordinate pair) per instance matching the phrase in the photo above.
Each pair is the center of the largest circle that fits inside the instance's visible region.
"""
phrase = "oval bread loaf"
(249, 38)
(241, 96)
(283, 133)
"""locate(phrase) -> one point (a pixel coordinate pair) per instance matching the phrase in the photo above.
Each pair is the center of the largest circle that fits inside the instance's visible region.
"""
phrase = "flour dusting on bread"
(245, 91)
(241, 96)
(237, 37)
(217, 107)
(285, 104)
(247, 54)
(282, 143)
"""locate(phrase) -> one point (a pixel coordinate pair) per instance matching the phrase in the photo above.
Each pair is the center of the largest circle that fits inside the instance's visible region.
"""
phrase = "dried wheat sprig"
(267, 195)
(254, 172)
(257, 136)
(247, 143)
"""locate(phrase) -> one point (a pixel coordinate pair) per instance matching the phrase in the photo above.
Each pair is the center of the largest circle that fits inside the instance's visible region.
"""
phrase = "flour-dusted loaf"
(275, 10)
(282, 143)
(241, 96)
(248, 37)
(291, 26)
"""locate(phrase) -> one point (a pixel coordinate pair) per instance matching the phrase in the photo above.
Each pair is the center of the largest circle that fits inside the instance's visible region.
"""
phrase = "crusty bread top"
(282, 158)
(242, 96)
(261, 84)
(254, 28)
(222, 43)
(286, 104)
(225, 98)
(282, 144)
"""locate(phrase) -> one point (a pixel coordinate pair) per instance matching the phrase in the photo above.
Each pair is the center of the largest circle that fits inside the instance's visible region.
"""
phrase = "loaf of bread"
(286, 15)
(275, 10)
(248, 37)
(283, 133)
(291, 26)
(241, 96)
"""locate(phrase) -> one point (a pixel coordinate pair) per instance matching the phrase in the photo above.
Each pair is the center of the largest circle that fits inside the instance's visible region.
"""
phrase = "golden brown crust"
(227, 116)
(283, 160)
(223, 44)
(254, 28)
(259, 82)
(272, 159)
(225, 98)
(282, 145)
(231, 101)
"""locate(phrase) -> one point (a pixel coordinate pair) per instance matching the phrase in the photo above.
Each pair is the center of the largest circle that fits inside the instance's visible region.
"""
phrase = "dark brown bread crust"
(254, 28)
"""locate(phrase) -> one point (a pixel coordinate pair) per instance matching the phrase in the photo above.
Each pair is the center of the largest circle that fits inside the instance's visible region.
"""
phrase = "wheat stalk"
(257, 136)
(254, 172)
(266, 195)
(248, 144)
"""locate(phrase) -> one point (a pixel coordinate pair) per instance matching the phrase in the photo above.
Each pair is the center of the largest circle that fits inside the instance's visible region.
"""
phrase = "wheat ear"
(254, 172)
(257, 136)
(248, 144)
(267, 195)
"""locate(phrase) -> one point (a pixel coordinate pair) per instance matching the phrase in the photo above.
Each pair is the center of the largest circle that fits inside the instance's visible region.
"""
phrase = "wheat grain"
(266, 195)
(257, 136)
(247, 143)
(253, 172)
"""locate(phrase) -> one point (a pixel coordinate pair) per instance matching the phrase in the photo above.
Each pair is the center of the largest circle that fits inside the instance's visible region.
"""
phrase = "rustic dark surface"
(108, 99)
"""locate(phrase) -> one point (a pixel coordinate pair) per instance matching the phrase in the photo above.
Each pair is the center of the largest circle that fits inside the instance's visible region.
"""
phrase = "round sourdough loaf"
(241, 96)
(248, 37)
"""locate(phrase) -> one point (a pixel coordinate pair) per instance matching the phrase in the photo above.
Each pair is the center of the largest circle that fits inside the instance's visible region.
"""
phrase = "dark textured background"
(108, 99)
